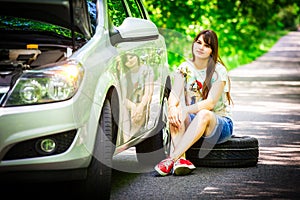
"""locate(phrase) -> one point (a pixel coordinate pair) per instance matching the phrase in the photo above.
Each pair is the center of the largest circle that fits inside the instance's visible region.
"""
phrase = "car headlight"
(51, 84)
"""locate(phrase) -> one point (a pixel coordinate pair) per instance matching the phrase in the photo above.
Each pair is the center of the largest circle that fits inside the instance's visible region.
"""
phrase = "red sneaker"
(164, 167)
(183, 167)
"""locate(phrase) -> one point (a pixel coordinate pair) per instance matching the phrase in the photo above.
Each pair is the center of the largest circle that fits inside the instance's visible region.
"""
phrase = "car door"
(139, 65)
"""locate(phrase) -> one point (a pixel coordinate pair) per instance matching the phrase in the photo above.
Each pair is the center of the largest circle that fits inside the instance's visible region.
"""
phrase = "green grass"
(259, 47)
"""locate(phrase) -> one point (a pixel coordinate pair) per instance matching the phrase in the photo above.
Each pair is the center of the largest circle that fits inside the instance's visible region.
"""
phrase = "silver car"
(80, 82)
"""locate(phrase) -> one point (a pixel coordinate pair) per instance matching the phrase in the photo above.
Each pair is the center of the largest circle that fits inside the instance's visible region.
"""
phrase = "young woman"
(199, 104)
(138, 91)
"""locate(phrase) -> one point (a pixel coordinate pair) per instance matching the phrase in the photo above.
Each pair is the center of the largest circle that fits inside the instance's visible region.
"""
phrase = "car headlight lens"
(31, 91)
(51, 84)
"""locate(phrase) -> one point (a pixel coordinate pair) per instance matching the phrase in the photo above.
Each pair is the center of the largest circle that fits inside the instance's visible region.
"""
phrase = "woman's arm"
(175, 109)
(212, 98)
(138, 113)
(176, 92)
(148, 92)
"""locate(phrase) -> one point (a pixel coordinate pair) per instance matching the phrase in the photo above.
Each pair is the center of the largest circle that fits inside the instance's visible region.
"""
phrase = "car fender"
(106, 82)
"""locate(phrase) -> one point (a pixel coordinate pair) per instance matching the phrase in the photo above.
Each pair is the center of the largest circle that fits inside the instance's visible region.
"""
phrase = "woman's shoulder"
(221, 71)
(185, 68)
(220, 67)
(145, 69)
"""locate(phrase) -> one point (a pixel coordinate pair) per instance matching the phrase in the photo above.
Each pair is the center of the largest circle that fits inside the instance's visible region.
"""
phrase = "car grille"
(29, 148)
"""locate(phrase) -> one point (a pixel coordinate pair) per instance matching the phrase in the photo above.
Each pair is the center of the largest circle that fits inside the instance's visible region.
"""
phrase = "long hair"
(128, 73)
(211, 39)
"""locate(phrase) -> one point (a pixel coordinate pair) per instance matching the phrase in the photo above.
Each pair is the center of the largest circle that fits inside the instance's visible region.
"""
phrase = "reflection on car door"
(138, 64)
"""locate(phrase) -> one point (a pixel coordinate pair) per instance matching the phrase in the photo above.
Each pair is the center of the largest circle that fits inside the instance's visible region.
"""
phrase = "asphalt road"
(266, 96)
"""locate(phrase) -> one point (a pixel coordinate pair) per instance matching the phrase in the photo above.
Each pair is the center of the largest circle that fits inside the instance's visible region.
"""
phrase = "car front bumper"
(22, 128)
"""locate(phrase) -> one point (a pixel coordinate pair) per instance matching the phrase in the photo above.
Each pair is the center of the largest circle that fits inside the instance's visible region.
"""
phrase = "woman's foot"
(183, 167)
(165, 167)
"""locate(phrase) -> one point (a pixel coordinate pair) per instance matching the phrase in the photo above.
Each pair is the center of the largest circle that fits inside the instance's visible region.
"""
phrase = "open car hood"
(70, 14)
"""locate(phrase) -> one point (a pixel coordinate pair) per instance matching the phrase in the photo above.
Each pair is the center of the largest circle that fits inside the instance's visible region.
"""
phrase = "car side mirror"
(135, 29)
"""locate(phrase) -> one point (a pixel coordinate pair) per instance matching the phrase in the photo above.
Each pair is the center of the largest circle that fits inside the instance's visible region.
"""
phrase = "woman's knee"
(204, 116)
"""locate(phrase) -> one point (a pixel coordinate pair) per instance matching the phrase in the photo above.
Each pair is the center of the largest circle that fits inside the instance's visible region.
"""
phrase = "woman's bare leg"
(203, 124)
(176, 137)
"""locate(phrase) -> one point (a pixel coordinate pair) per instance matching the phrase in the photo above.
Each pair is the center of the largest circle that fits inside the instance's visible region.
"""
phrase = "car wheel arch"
(167, 88)
(112, 95)
(114, 99)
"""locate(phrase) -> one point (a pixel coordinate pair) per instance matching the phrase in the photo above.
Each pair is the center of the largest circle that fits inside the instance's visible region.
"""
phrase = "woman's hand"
(175, 116)
(137, 114)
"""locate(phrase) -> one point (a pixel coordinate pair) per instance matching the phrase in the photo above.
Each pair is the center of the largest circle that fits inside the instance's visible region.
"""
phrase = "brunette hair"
(125, 59)
(127, 72)
(211, 38)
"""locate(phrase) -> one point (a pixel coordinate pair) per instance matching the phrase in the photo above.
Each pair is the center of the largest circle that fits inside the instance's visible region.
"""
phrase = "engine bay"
(28, 58)
(14, 61)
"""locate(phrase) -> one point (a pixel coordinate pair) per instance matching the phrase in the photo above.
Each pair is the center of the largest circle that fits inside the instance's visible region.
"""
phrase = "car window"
(92, 12)
(134, 8)
(117, 11)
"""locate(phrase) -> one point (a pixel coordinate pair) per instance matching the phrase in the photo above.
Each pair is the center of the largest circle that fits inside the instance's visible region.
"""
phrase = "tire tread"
(238, 151)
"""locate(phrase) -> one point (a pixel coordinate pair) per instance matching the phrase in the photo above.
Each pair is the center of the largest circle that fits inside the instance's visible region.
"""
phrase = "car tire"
(98, 182)
(150, 151)
(238, 151)
(156, 147)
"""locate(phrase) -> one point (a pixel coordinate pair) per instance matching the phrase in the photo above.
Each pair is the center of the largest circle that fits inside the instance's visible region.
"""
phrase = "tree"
(241, 25)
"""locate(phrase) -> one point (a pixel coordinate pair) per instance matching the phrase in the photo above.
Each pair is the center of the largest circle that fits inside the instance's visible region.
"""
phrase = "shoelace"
(167, 163)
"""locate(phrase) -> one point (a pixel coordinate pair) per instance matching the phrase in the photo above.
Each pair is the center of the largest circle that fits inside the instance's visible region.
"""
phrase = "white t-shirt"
(194, 80)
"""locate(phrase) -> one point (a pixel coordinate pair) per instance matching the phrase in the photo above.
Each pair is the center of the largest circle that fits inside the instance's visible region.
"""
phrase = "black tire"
(238, 151)
(150, 151)
(156, 147)
(98, 182)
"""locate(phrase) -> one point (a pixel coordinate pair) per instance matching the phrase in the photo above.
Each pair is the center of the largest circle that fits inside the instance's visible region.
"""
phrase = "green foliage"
(246, 28)
(117, 12)
(15, 23)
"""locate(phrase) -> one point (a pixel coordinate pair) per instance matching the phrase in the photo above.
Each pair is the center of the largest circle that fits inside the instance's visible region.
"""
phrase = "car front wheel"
(156, 147)
(98, 182)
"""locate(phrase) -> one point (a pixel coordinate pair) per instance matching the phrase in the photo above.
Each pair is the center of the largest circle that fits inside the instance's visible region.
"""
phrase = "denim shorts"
(221, 133)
